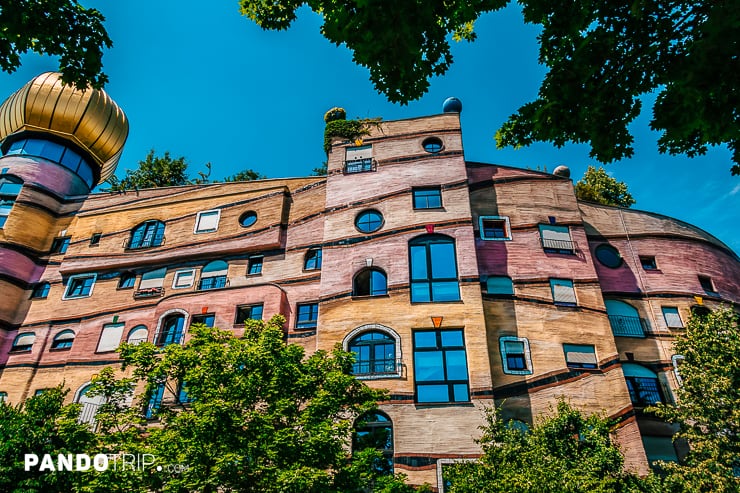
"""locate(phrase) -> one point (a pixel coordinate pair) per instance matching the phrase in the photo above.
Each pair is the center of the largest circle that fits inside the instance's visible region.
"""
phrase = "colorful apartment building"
(457, 284)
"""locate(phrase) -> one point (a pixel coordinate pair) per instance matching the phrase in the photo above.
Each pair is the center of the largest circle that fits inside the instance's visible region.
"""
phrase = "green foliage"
(153, 172)
(708, 405)
(348, 129)
(336, 113)
(61, 28)
(564, 452)
(321, 170)
(597, 186)
(245, 175)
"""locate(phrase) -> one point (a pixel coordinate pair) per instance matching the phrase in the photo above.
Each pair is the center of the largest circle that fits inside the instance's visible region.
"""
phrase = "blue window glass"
(375, 354)
(370, 282)
(63, 340)
(248, 219)
(60, 245)
(155, 401)
(213, 275)
(308, 315)
(182, 394)
(40, 290)
(71, 160)
(433, 269)
(369, 221)
(432, 145)
(80, 286)
(171, 330)
(33, 147)
(440, 366)
(127, 280)
(375, 430)
(255, 265)
(499, 285)
(147, 234)
(427, 198)
(313, 259)
(208, 319)
(248, 312)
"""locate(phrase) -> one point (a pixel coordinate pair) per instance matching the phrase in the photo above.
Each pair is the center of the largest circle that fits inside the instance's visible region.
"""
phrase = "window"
(494, 228)
(23, 342)
(440, 366)
(213, 275)
(648, 262)
(370, 282)
(155, 401)
(60, 245)
(499, 285)
(671, 317)
(369, 221)
(563, 293)
(608, 256)
(147, 234)
(359, 159)
(427, 198)
(515, 355)
(642, 384)
(183, 279)
(247, 219)
(556, 239)
(10, 187)
(206, 319)
(707, 285)
(624, 319)
(313, 259)
(580, 356)
(151, 283)
(374, 430)
(182, 394)
(80, 286)
(432, 145)
(95, 239)
(248, 312)
(90, 405)
(307, 316)
(171, 330)
(207, 221)
(110, 337)
(375, 354)
(127, 280)
(55, 152)
(676, 361)
(63, 340)
(3, 397)
(659, 448)
(433, 269)
(40, 290)
(137, 335)
(254, 265)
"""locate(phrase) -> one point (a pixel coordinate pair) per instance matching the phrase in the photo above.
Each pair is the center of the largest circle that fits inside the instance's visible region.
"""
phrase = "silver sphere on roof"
(452, 105)
(563, 171)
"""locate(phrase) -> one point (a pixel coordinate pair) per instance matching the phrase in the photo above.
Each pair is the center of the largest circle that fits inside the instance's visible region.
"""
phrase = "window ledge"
(435, 209)
(428, 405)
(370, 296)
(258, 274)
(453, 302)
(19, 351)
(59, 349)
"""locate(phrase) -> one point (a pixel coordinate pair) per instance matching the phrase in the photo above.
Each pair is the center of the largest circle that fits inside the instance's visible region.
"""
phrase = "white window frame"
(674, 361)
(527, 355)
(115, 329)
(79, 276)
(196, 227)
(495, 218)
(377, 328)
(179, 273)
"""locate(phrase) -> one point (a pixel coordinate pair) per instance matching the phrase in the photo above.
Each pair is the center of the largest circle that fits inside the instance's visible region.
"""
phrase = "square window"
(255, 265)
(206, 319)
(556, 239)
(60, 245)
(707, 285)
(359, 159)
(515, 355)
(248, 312)
(127, 280)
(494, 228)
(312, 261)
(648, 262)
(80, 286)
(580, 356)
(427, 198)
(563, 293)
(440, 366)
(40, 290)
(307, 315)
(499, 285)
(183, 279)
(95, 239)
(207, 221)
(672, 317)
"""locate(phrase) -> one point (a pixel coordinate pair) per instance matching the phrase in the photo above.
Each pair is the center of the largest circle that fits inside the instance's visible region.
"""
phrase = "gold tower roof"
(90, 119)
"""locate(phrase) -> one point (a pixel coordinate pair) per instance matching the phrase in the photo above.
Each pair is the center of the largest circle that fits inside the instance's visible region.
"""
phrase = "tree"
(321, 170)
(602, 58)
(707, 405)
(564, 452)
(245, 175)
(153, 172)
(597, 186)
(35, 26)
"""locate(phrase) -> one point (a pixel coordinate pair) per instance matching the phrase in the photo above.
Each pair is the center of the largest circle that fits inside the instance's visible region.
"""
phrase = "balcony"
(377, 367)
(626, 326)
(149, 293)
(141, 244)
(360, 165)
(566, 247)
(644, 391)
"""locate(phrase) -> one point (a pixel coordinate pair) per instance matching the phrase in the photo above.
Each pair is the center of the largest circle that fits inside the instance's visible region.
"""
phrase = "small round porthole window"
(432, 145)
(369, 221)
(608, 256)
(247, 219)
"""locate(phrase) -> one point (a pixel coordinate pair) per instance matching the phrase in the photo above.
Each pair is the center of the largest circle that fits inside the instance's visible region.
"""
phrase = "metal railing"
(360, 165)
(149, 293)
(558, 246)
(376, 367)
(628, 326)
(152, 242)
(644, 391)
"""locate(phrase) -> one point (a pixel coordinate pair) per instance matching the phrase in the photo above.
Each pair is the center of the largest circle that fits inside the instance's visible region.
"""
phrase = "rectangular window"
(80, 286)
(580, 356)
(427, 198)
(440, 366)
(562, 292)
(707, 285)
(182, 394)
(155, 401)
(255, 265)
(183, 279)
(648, 262)
(515, 355)
(207, 221)
(307, 316)
(110, 338)
(671, 317)
(556, 239)
(60, 245)
(206, 319)
(3, 396)
(95, 239)
(499, 285)
(248, 312)
(359, 159)
(494, 228)
(40, 291)
(127, 280)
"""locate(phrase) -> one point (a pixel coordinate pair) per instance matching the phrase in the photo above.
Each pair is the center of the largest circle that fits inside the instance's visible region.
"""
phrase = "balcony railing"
(360, 165)
(212, 283)
(558, 246)
(149, 293)
(628, 326)
(152, 242)
(644, 391)
(376, 367)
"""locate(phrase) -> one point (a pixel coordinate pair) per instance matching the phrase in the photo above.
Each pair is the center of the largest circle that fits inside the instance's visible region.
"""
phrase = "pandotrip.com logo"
(98, 462)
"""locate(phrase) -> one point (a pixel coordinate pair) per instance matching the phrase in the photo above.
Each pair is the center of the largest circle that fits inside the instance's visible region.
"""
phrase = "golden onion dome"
(90, 119)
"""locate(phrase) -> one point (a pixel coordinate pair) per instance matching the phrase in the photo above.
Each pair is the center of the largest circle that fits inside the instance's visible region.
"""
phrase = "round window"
(369, 221)
(608, 256)
(432, 144)
(247, 219)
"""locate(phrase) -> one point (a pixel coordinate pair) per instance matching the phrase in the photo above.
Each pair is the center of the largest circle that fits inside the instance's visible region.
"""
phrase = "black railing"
(644, 391)
(360, 165)
(152, 242)
(628, 326)
(149, 293)
(376, 367)
(212, 283)
(558, 246)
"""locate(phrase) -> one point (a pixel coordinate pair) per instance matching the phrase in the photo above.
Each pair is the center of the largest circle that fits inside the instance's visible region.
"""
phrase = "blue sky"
(201, 81)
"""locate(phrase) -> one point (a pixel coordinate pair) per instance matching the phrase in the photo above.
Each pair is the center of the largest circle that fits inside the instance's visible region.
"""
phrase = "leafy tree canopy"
(245, 175)
(55, 27)
(597, 186)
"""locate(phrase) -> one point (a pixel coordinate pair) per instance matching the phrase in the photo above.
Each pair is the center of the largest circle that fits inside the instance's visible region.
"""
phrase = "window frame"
(203, 318)
(370, 428)
(58, 344)
(40, 290)
(199, 216)
(155, 239)
(365, 213)
(650, 261)
(25, 348)
(310, 323)
(443, 350)
(564, 283)
(578, 365)
(498, 293)
(75, 277)
(8, 199)
(707, 285)
(137, 340)
(429, 281)
(526, 355)
(179, 273)
(371, 292)
(607, 247)
(568, 246)
(372, 361)
(116, 327)
(251, 215)
(506, 229)
(664, 309)
(59, 245)
(433, 145)
(242, 309)
(315, 259)
(95, 239)
(125, 278)
(162, 342)
(255, 260)
(416, 190)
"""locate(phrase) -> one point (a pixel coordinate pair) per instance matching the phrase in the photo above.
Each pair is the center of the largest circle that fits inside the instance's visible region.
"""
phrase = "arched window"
(137, 335)
(375, 430)
(90, 405)
(63, 340)
(624, 319)
(433, 269)
(147, 234)
(23, 343)
(370, 282)
(313, 259)
(375, 354)
(171, 330)
(213, 275)
(642, 384)
(10, 187)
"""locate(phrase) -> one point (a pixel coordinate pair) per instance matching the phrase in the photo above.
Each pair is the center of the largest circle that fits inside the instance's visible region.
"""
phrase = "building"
(458, 284)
